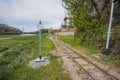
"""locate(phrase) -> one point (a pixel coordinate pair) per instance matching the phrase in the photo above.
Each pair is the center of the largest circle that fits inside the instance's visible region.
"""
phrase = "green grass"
(70, 40)
(109, 59)
(7, 36)
(20, 51)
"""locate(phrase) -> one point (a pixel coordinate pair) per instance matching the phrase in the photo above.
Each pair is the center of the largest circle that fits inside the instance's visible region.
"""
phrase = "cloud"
(32, 10)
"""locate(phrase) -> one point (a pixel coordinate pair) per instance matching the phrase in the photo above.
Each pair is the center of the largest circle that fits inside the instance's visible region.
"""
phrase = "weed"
(2, 49)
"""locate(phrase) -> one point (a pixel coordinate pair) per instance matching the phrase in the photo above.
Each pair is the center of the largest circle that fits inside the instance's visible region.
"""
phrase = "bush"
(2, 49)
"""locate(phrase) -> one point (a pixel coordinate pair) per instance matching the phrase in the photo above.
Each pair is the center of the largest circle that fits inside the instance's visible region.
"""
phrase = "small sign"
(40, 25)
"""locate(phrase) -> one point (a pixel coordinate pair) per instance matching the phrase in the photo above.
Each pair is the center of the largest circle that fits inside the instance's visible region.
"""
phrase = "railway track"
(78, 67)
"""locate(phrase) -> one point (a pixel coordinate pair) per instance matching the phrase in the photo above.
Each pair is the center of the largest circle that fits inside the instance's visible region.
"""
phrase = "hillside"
(91, 19)
(5, 29)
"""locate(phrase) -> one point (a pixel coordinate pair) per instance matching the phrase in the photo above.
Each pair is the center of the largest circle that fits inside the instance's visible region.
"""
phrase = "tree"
(91, 17)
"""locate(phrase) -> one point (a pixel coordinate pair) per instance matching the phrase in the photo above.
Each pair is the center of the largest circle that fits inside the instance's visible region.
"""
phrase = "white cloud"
(32, 10)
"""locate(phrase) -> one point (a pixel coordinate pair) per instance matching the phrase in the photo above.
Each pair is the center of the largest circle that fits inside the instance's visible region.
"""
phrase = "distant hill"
(5, 29)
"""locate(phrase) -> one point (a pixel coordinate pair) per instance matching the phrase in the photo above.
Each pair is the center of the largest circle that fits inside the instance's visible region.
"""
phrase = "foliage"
(3, 49)
(44, 30)
(91, 23)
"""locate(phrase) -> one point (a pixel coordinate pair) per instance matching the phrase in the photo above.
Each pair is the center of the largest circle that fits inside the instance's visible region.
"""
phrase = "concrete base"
(40, 60)
(37, 63)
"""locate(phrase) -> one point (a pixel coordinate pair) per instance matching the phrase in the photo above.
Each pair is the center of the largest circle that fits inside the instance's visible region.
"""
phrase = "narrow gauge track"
(77, 66)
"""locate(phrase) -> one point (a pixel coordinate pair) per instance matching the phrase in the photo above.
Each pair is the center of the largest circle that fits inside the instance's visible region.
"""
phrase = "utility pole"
(40, 58)
(106, 51)
(40, 40)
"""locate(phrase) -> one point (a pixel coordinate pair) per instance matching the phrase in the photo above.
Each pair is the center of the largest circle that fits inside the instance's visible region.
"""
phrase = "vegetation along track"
(77, 66)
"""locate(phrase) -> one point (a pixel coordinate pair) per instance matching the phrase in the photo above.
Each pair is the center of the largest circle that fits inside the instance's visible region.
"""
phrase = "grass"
(109, 59)
(7, 36)
(2, 49)
(20, 51)
(70, 40)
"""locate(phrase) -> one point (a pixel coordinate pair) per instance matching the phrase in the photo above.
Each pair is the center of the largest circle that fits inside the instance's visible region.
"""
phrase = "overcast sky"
(27, 13)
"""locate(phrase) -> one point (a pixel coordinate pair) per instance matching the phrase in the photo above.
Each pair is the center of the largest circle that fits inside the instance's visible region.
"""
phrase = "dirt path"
(77, 66)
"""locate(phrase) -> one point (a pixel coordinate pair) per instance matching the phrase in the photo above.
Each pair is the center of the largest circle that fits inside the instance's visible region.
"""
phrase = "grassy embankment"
(109, 59)
(16, 53)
